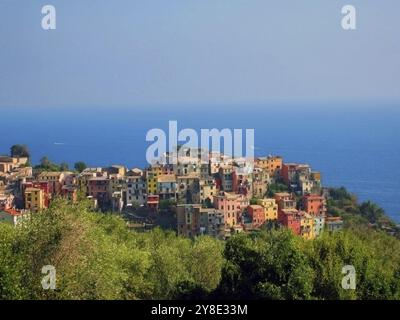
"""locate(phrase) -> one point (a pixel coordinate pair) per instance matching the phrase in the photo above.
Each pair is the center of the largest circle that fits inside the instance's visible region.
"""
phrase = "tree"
(20, 150)
(276, 187)
(372, 211)
(165, 204)
(253, 201)
(208, 203)
(80, 166)
(268, 265)
(64, 166)
(45, 163)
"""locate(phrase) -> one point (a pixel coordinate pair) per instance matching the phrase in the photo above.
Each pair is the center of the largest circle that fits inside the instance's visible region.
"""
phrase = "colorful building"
(290, 219)
(314, 204)
(193, 220)
(231, 206)
(188, 188)
(208, 188)
(319, 224)
(333, 224)
(34, 199)
(54, 179)
(270, 208)
(8, 164)
(167, 187)
(136, 189)
(285, 200)
(226, 176)
(153, 201)
(44, 186)
(242, 183)
(151, 175)
(272, 164)
(307, 230)
(98, 189)
(70, 192)
(261, 180)
(257, 215)
(188, 219)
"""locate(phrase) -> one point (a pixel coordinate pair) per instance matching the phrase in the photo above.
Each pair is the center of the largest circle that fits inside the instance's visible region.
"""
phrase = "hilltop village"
(217, 198)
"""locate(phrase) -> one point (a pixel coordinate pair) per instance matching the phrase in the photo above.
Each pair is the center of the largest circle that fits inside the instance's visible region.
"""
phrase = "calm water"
(355, 148)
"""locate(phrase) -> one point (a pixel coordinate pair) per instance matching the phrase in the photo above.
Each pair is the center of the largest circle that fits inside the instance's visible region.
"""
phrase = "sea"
(356, 147)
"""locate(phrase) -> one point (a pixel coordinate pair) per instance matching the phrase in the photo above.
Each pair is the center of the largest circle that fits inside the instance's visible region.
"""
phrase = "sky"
(130, 53)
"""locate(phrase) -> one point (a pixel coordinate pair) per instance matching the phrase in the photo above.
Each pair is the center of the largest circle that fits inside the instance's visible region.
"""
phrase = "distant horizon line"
(286, 104)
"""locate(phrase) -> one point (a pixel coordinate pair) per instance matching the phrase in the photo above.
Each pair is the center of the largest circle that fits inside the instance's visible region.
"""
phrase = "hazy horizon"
(191, 53)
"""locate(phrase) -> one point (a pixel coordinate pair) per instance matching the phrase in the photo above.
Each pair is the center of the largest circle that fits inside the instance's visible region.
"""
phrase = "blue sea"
(355, 147)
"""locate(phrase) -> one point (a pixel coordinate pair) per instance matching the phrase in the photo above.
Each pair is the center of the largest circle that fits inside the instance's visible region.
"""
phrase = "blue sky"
(128, 53)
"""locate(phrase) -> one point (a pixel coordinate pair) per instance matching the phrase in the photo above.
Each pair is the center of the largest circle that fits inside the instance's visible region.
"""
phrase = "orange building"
(314, 204)
(272, 164)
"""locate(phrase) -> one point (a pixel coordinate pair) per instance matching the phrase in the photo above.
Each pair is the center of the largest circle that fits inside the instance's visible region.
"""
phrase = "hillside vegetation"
(97, 257)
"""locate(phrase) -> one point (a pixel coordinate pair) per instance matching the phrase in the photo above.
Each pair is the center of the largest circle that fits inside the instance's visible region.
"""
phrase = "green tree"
(45, 162)
(268, 265)
(20, 150)
(64, 166)
(372, 211)
(80, 166)
(276, 187)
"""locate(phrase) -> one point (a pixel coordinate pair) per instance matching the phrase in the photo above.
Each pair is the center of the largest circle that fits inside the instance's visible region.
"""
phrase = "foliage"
(267, 265)
(47, 165)
(276, 187)
(97, 257)
(64, 166)
(20, 150)
(165, 204)
(253, 201)
(344, 204)
(80, 166)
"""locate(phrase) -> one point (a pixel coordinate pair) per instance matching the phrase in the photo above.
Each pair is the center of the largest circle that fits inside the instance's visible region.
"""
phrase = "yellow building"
(83, 181)
(270, 208)
(34, 199)
(152, 174)
(307, 226)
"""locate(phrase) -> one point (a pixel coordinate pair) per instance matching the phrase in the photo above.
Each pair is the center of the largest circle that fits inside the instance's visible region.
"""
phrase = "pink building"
(231, 206)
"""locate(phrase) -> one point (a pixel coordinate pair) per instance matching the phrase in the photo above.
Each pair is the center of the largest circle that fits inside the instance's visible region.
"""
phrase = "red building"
(240, 183)
(97, 188)
(288, 172)
(257, 215)
(153, 201)
(314, 204)
(290, 218)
